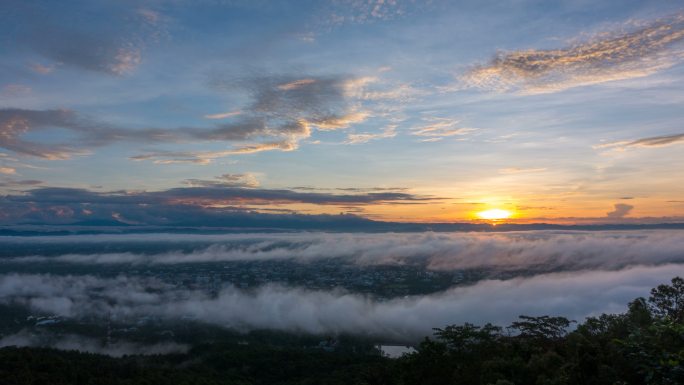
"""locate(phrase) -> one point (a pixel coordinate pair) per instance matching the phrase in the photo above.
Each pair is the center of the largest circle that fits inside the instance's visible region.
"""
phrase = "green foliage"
(643, 346)
(544, 327)
(667, 301)
(467, 337)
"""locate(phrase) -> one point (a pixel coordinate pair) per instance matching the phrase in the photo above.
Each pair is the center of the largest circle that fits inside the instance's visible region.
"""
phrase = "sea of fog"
(391, 285)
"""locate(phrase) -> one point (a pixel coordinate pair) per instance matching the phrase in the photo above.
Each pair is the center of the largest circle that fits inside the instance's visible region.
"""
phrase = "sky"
(155, 111)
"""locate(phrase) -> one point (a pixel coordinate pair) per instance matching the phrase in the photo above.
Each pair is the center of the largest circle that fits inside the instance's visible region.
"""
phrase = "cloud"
(575, 295)
(41, 69)
(517, 170)
(351, 189)
(80, 49)
(283, 111)
(621, 211)
(151, 16)
(89, 345)
(223, 115)
(652, 142)
(73, 195)
(218, 204)
(648, 48)
(296, 84)
(253, 129)
(297, 100)
(15, 90)
(19, 183)
(8, 170)
(206, 157)
(109, 39)
(400, 92)
(441, 128)
(529, 252)
(226, 180)
(389, 131)
(344, 12)
(365, 189)
(431, 140)
(343, 121)
(181, 158)
(15, 123)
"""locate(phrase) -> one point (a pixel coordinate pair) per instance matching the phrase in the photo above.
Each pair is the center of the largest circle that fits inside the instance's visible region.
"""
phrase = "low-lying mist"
(552, 250)
(574, 295)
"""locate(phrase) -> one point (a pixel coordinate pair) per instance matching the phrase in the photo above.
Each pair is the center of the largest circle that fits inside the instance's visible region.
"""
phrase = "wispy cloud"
(8, 170)
(15, 90)
(41, 69)
(517, 170)
(342, 12)
(226, 180)
(654, 141)
(151, 16)
(206, 157)
(607, 57)
(223, 115)
(15, 183)
(441, 128)
(352, 189)
(15, 123)
(389, 131)
(338, 122)
(296, 84)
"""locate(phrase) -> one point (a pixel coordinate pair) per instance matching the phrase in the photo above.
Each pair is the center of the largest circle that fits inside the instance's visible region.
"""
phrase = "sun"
(494, 214)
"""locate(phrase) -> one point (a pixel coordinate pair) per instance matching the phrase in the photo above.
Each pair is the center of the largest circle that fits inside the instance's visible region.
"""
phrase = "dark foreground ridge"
(645, 345)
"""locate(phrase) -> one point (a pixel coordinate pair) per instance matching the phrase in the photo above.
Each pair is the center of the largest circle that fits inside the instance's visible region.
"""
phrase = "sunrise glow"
(494, 214)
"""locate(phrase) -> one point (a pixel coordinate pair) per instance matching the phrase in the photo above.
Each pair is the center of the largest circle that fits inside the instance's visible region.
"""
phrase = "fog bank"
(550, 250)
(574, 295)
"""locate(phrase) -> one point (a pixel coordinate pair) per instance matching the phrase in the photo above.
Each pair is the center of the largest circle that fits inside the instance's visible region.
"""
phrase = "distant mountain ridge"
(328, 223)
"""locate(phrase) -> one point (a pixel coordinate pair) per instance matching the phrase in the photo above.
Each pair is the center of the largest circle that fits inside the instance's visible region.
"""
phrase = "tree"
(667, 301)
(639, 313)
(468, 336)
(544, 327)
